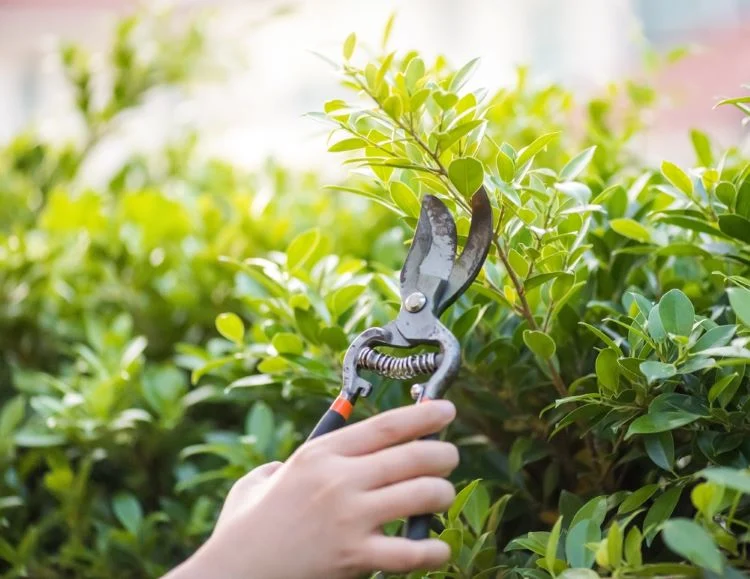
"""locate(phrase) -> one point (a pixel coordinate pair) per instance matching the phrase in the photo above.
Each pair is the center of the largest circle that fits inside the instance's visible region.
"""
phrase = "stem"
(557, 380)
(440, 168)
(615, 447)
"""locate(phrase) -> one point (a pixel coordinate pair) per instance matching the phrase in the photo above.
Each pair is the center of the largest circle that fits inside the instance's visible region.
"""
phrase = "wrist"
(197, 566)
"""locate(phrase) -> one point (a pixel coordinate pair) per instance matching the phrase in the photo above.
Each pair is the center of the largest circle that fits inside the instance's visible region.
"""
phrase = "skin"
(320, 514)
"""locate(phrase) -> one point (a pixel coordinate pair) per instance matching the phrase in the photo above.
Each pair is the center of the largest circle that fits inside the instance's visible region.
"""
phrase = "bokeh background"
(169, 321)
(273, 78)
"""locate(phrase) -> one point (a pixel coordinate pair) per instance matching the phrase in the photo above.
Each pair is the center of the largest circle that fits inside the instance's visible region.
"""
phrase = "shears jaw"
(431, 280)
(431, 274)
(466, 268)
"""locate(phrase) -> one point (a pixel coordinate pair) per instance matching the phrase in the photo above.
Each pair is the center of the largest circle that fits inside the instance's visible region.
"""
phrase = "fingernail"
(446, 407)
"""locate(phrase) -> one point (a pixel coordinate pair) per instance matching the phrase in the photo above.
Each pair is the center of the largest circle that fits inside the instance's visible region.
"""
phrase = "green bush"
(163, 334)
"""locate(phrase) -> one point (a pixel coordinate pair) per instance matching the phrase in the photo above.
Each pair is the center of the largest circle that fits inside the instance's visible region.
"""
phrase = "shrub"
(602, 402)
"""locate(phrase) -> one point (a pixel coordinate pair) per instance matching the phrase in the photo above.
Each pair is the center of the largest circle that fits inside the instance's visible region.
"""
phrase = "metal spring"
(401, 368)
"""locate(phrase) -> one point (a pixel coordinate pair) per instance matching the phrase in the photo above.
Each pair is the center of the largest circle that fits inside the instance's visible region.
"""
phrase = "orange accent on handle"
(343, 407)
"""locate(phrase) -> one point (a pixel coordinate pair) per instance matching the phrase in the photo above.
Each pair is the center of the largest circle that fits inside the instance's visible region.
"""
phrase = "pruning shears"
(431, 281)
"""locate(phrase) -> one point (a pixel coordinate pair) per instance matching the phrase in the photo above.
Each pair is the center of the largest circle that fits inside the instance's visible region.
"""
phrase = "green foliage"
(164, 333)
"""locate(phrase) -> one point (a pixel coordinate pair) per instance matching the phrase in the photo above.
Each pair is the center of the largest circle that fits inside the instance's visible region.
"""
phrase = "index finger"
(391, 427)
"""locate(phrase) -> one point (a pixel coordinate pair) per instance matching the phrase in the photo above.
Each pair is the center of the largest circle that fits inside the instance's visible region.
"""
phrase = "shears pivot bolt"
(415, 302)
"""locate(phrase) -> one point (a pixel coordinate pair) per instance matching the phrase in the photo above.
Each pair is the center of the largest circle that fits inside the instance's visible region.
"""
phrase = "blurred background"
(274, 79)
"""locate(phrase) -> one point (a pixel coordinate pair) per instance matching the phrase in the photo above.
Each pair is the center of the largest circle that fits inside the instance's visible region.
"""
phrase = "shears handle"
(417, 527)
(334, 418)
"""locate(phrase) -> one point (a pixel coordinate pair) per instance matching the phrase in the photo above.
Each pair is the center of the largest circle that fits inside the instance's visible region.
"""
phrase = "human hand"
(320, 514)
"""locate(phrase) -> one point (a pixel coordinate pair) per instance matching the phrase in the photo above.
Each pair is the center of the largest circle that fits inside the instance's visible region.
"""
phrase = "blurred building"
(582, 43)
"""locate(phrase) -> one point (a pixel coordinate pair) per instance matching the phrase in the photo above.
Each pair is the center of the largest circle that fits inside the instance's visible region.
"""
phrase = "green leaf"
(702, 147)
(693, 224)
(506, 168)
(660, 511)
(633, 547)
(539, 343)
(735, 226)
(614, 545)
(660, 449)
(444, 100)
(460, 501)
(260, 425)
(288, 343)
(682, 249)
(387, 31)
(10, 502)
(393, 106)
(344, 298)
(518, 263)
(603, 337)
(726, 193)
(654, 325)
(583, 533)
(742, 202)
(721, 386)
(351, 144)
(128, 511)
(308, 324)
(688, 539)
(349, 44)
(463, 74)
(637, 498)
(660, 422)
(11, 416)
(631, 229)
(577, 164)
(418, 99)
(477, 509)
(715, 338)
(677, 313)
(132, 353)
(739, 299)
(595, 509)
(253, 380)
(537, 145)
(655, 371)
(454, 539)
(696, 364)
(707, 497)
(608, 370)
(552, 542)
(32, 439)
(302, 248)
(467, 322)
(414, 72)
(456, 133)
(466, 174)
(231, 327)
(733, 101)
(405, 199)
(540, 279)
(677, 177)
(536, 542)
(735, 479)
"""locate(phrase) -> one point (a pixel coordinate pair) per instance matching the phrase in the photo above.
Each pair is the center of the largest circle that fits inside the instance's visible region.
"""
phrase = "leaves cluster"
(163, 334)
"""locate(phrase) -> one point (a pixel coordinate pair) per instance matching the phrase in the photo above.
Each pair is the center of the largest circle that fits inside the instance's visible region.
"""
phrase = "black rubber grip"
(418, 526)
(330, 421)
